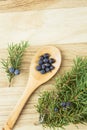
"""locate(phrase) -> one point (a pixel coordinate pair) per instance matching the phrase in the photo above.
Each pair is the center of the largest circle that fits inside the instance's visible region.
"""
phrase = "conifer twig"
(12, 65)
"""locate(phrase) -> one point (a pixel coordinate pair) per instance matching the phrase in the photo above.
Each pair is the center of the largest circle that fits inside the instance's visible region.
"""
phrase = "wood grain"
(44, 26)
(10, 96)
(22, 5)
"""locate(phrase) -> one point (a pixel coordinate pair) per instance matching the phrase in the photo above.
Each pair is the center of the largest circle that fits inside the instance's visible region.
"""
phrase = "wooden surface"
(44, 26)
(22, 5)
(41, 22)
(10, 96)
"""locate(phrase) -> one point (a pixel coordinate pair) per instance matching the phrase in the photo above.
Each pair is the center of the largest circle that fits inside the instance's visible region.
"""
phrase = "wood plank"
(18, 5)
(10, 96)
(44, 26)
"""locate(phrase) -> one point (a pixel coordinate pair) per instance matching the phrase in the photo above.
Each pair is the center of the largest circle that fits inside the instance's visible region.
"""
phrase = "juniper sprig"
(12, 64)
(68, 102)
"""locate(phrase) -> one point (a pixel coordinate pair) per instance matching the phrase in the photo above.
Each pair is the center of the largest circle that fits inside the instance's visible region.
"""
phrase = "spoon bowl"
(54, 53)
(34, 81)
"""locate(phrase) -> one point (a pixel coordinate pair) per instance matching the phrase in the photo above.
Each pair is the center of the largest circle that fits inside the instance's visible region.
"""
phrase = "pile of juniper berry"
(45, 64)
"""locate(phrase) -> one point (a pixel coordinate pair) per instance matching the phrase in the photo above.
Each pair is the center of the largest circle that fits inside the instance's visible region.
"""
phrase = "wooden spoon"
(35, 80)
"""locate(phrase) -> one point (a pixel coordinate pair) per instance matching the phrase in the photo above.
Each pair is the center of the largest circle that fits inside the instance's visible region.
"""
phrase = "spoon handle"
(31, 86)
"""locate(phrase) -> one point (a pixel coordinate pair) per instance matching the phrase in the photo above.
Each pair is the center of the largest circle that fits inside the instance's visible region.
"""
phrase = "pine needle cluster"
(14, 60)
(68, 102)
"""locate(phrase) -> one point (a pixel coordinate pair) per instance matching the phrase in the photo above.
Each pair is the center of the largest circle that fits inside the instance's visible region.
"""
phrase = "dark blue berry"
(42, 57)
(40, 62)
(46, 55)
(47, 65)
(43, 66)
(56, 109)
(68, 104)
(51, 60)
(38, 68)
(45, 60)
(42, 71)
(63, 104)
(11, 70)
(17, 72)
(47, 69)
(52, 67)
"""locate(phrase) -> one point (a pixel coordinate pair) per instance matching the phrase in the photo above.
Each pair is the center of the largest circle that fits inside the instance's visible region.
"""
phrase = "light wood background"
(23, 5)
(44, 26)
(41, 22)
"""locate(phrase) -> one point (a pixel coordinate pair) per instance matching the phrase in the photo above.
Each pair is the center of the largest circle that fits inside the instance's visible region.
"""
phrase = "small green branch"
(12, 65)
